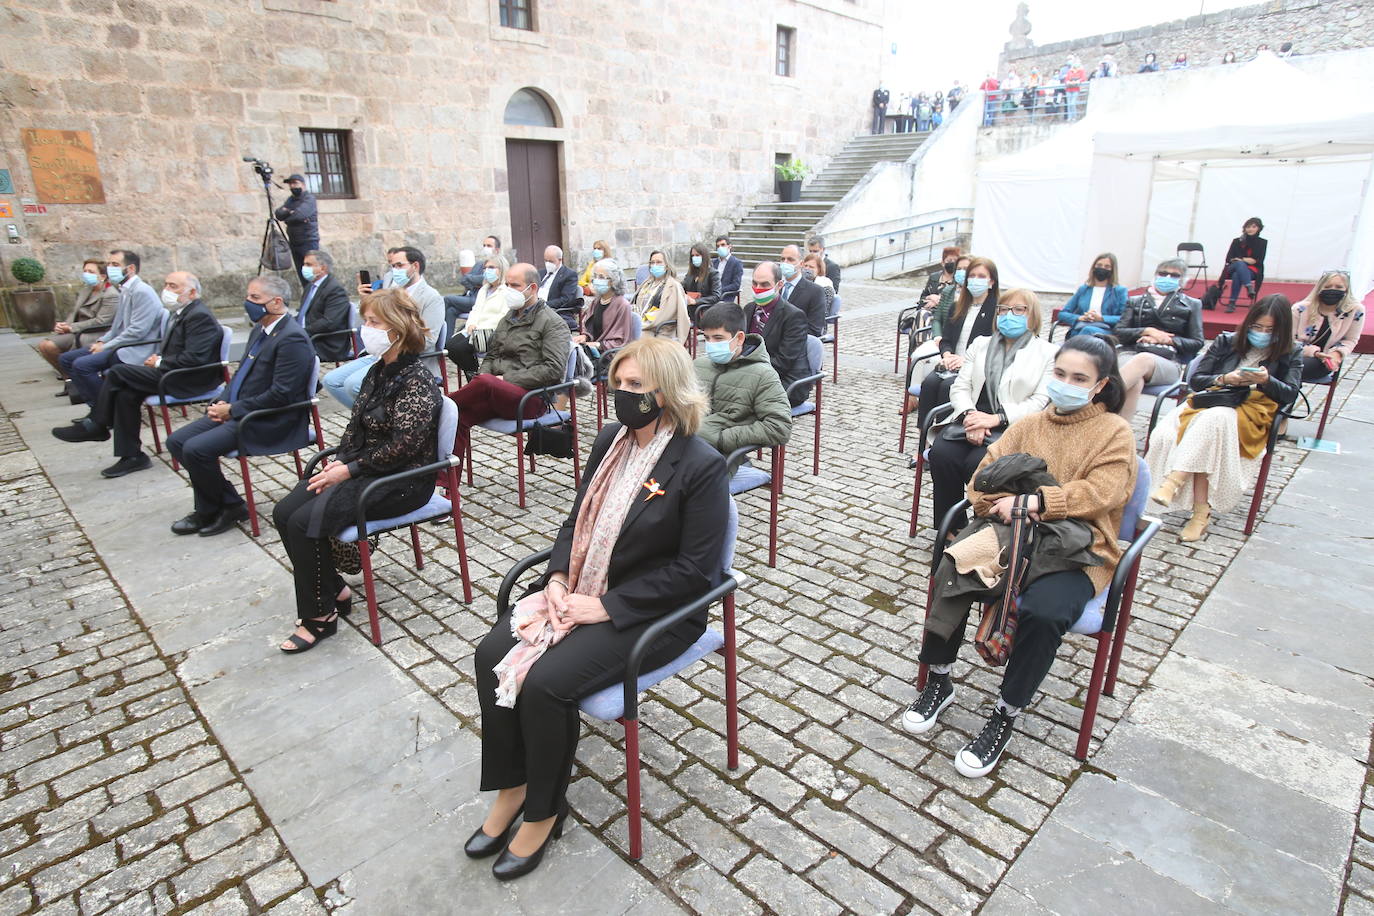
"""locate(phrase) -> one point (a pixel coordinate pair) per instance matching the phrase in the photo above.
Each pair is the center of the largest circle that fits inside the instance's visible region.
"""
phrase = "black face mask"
(1331, 296)
(636, 410)
(1101, 273)
(296, 192)
(948, 266)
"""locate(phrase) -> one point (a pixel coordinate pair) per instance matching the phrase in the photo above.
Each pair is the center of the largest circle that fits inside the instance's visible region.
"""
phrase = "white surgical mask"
(375, 340)
(550, 267)
(515, 299)
(486, 251)
(170, 299)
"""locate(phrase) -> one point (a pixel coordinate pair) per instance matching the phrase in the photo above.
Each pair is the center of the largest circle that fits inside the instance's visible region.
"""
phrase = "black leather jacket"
(1178, 314)
(1285, 372)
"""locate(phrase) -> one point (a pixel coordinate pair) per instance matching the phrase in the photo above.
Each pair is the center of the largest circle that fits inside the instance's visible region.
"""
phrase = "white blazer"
(1022, 391)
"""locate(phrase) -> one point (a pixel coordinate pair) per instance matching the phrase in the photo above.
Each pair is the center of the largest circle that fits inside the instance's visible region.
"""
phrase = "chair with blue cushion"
(308, 405)
(355, 324)
(620, 702)
(440, 354)
(927, 347)
(164, 400)
(745, 477)
(603, 366)
(438, 507)
(832, 337)
(911, 321)
(1106, 616)
(1177, 390)
(815, 357)
(550, 417)
(1329, 380)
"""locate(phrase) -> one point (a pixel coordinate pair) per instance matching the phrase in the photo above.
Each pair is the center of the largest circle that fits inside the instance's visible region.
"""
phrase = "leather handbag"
(997, 629)
(1219, 396)
(955, 432)
(555, 440)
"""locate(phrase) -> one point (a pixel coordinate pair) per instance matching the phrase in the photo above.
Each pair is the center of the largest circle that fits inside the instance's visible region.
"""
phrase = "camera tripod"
(266, 249)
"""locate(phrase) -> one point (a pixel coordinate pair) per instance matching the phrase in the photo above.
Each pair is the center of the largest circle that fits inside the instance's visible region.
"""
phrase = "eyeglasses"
(1013, 309)
(1169, 273)
(1343, 271)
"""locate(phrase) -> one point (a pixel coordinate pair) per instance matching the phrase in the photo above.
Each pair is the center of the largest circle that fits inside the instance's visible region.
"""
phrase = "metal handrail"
(921, 237)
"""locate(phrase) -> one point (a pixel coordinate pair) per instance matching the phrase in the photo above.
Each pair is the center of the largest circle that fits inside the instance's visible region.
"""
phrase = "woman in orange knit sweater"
(1090, 450)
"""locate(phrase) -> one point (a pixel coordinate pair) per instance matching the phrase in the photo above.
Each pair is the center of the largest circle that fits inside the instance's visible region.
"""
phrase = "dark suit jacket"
(193, 339)
(330, 310)
(670, 547)
(784, 337)
(832, 273)
(564, 293)
(809, 297)
(982, 325)
(278, 375)
(731, 277)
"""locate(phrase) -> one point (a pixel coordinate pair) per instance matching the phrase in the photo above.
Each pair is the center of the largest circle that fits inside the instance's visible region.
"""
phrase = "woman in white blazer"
(1003, 378)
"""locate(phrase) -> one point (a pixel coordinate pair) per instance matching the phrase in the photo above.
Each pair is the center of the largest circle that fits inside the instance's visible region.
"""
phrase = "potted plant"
(790, 175)
(35, 309)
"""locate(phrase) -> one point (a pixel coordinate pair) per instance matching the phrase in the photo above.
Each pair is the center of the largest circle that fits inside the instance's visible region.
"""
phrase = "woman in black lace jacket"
(394, 427)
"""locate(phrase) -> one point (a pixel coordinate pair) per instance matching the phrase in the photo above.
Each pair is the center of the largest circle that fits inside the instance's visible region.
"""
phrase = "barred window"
(328, 162)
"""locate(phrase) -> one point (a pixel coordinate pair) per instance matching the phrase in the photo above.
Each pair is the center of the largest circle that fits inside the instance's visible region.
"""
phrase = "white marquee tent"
(1190, 162)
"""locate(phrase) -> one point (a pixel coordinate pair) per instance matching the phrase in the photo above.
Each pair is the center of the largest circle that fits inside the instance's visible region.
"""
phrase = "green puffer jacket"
(748, 405)
(530, 351)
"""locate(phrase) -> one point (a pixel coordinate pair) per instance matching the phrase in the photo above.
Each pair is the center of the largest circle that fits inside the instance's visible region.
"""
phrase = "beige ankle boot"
(1164, 494)
(1197, 525)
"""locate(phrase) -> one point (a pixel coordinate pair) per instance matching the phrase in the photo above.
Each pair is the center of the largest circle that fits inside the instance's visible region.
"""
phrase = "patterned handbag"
(997, 629)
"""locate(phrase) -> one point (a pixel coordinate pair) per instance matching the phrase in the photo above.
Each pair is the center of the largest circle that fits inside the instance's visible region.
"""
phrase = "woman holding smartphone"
(1218, 449)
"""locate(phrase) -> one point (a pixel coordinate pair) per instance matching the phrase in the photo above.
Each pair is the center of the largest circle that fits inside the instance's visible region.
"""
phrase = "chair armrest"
(162, 381)
(733, 460)
(349, 331)
(544, 393)
(434, 467)
(654, 630)
(513, 575)
(833, 319)
(134, 343)
(1123, 572)
(805, 380)
(310, 467)
(935, 416)
(1172, 391)
(937, 551)
(268, 412)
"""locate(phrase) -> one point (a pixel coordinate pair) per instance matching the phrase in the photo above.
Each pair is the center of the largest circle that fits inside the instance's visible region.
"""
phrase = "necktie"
(305, 306)
(171, 323)
(245, 367)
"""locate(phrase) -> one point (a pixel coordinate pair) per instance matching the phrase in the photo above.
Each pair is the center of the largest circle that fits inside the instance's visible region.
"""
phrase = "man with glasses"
(1160, 333)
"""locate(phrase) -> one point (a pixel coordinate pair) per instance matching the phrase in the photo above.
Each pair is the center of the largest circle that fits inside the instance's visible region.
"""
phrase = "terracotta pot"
(35, 310)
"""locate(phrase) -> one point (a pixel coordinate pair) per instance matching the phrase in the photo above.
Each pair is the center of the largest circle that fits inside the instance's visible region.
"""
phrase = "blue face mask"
(1259, 339)
(115, 274)
(978, 285)
(719, 352)
(722, 252)
(600, 286)
(657, 271)
(1066, 397)
(255, 310)
(789, 270)
(90, 279)
(308, 273)
(696, 260)
(1011, 326)
(598, 254)
(490, 275)
(960, 276)
(1166, 285)
(399, 277)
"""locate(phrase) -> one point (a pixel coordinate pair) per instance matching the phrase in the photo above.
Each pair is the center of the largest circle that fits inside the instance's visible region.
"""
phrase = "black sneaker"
(139, 462)
(920, 717)
(981, 754)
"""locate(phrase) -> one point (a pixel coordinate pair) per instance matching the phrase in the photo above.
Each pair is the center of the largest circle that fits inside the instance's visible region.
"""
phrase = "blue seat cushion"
(803, 409)
(747, 477)
(1324, 380)
(608, 704)
(1090, 621)
(827, 338)
(914, 390)
(152, 399)
(435, 508)
(509, 427)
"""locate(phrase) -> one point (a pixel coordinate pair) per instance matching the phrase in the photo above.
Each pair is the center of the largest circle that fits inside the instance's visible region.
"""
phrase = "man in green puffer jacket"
(748, 405)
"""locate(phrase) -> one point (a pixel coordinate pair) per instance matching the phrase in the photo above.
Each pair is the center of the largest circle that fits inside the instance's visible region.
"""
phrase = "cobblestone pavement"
(116, 798)
(834, 808)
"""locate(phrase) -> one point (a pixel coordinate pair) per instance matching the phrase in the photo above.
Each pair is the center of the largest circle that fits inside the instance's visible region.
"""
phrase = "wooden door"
(536, 219)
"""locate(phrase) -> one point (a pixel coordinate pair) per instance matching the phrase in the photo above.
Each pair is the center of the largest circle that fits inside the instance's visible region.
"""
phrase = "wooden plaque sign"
(64, 166)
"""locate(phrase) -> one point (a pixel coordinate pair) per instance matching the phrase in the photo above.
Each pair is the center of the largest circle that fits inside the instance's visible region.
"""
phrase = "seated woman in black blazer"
(394, 427)
(645, 534)
(1244, 262)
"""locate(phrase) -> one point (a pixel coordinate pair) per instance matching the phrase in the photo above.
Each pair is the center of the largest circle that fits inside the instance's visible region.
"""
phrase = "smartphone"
(364, 278)
(1248, 369)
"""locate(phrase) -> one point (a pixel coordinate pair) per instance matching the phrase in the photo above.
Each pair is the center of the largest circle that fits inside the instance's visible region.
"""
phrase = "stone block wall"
(668, 121)
(1313, 26)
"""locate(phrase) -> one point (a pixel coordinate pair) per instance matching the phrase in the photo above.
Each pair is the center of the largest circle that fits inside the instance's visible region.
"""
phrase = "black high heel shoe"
(320, 629)
(344, 606)
(509, 866)
(479, 845)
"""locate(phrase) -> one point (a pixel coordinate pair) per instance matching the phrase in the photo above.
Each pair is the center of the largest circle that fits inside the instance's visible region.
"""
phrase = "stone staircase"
(767, 227)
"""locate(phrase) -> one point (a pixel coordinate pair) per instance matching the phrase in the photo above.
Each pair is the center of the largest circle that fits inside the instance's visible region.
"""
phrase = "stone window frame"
(344, 171)
(785, 52)
(508, 10)
(498, 32)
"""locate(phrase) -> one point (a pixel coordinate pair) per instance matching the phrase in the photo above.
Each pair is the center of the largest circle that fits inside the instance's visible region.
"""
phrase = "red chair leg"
(319, 432)
(415, 547)
(458, 537)
(1085, 730)
(1123, 620)
(632, 786)
(520, 466)
(167, 430)
(816, 443)
(300, 469)
(916, 495)
(774, 490)
(248, 495)
(370, 589)
(897, 354)
(731, 685)
(1259, 493)
(152, 425)
(1330, 393)
(835, 354)
(467, 456)
(577, 454)
(901, 437)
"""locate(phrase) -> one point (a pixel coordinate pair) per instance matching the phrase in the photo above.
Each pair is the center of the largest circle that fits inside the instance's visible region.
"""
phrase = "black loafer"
(81, 433)
(191, 524)
(227, 520)
(139, 462)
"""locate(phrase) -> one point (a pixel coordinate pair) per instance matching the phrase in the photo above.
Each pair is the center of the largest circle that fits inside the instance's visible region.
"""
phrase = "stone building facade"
(654, 123)
(1313, 26)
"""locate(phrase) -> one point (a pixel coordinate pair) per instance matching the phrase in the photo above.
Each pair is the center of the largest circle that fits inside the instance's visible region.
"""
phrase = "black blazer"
(330, 310)
(1244, 246)
(709, 289)
(982, 325)
(670, 547)
(784, 337)
(278, 375)
(731, 272)
(1178, 314)
(193, 339)
(302, 221)
(1285, 372)
(810, 298)
(832, 273)
(564, 293)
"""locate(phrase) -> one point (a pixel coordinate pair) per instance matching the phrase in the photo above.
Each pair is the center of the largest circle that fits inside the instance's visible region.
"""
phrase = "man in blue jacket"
(275, 371)
(729, 268)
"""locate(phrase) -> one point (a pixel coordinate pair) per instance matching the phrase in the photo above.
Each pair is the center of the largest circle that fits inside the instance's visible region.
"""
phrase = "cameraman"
(302, 222)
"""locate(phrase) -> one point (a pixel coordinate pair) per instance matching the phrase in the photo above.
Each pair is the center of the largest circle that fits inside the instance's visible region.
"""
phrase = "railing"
(900, 246)
(1032, 104)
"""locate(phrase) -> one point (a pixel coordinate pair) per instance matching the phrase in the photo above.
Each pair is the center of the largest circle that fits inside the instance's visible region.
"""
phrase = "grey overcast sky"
(938, 42)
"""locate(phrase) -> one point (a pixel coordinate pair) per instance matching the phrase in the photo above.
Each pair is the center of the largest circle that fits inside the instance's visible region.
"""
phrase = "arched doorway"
(532, 177)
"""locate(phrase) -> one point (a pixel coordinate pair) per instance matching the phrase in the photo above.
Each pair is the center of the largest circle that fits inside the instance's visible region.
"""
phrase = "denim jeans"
(344, 382)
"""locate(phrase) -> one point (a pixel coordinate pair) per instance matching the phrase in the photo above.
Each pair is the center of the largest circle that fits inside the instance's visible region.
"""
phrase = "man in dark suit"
(275, 372)
(558, 286)
(729, 268)
(801, 292)
(325, 308)
(783, 327)
(880, 99)
(301, 215)
(816, 245)
(193, 339)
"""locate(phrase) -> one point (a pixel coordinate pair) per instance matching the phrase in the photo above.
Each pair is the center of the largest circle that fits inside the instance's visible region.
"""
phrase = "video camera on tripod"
(262, 167)
(276, 251)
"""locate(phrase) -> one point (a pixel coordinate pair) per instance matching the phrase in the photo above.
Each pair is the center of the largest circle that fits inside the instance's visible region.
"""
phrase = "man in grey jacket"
(138, 317)
(748, 405)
